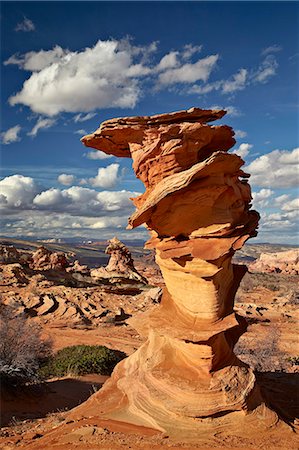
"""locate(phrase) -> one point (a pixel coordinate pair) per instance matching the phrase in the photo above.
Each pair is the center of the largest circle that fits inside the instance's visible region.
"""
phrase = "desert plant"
(264, 354)
(22, 348)
(294, 360)
(81, 360)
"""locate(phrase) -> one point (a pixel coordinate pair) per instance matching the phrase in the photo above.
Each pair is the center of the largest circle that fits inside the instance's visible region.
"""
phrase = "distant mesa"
(280, 262)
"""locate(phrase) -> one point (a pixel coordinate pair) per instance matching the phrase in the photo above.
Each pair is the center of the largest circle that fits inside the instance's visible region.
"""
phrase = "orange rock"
(185, 379)
(281, 262)
(44, 259)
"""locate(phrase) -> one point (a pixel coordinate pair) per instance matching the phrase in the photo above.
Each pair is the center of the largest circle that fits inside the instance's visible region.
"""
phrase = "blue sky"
(68, 66)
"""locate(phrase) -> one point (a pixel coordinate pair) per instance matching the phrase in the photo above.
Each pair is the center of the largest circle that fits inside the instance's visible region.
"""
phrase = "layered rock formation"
(10, 255)
(44, 259)
(120, 264)
(197, 209)
(281, 262)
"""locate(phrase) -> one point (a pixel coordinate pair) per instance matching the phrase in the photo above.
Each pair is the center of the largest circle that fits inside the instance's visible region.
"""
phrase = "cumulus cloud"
(108, 75)
(243, 150)
(281, 199)
(276, 169)
(41, 124)
(261, 198)
(83, 117)
(99, 77)
(97, 155)
(26, 25)
(37, 61)
(11, 135)
(107, 177)
(292, 205)
(81, 201)
(20, 193)
(65, 179)
(81, 132)
(44, 225)
(17, 192)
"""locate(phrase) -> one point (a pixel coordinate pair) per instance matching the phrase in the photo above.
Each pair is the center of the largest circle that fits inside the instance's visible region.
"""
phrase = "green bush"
(294, 360)
(81, 360)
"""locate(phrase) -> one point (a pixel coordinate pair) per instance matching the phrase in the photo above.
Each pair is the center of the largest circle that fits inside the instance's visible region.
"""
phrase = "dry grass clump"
(22, 348)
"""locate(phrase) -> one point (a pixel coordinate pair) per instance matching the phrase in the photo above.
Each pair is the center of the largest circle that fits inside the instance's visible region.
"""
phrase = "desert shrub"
(22, 348)
(81, 360)
(263, 354)
(294, 360)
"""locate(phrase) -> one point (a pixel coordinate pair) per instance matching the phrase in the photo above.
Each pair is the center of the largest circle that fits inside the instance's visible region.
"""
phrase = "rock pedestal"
(185, 378)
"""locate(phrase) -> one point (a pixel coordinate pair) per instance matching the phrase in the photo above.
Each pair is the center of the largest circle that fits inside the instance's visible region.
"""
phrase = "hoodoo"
(185, 379)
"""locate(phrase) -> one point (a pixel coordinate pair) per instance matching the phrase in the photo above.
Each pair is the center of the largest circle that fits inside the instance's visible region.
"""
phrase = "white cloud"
(97, 77)
(236, 83)
(189, 50)
(205, 88)
(189, 73)
(41, 124)
(168, 61)
(240, 134)
(17, 192)
(26, 26)
(109, 74)
(81, 201)
(232, 111)
(83, 117)
(51, 197)
(107, 177)
(107, 222)
(271, 49)
(37, 61)
(50, 224)
(276, 169)
(11, 135)
(97, 155)
(261, 198)
(266, 70)
(81, 132)
(240, 80)
(281, 199)
(65, 179)
(243, 150)
(292, 205)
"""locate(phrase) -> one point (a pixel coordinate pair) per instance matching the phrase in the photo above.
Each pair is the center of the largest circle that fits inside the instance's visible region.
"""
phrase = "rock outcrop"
(10, 255)
(76, 267)
(281, 262)
(120, 264)
(44, 259)
(185, 379)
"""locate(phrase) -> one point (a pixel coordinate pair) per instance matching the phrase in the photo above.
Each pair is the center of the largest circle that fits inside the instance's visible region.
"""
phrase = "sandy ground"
(35, 417)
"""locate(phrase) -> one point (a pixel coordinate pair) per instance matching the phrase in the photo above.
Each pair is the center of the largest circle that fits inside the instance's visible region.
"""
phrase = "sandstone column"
(185, 378)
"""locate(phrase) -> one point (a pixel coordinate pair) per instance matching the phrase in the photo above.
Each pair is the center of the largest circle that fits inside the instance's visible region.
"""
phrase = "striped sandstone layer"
(185, 379)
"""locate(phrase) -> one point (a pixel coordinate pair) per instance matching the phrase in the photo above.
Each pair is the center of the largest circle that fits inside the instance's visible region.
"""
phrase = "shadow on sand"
(281, 393)
(37, 401)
